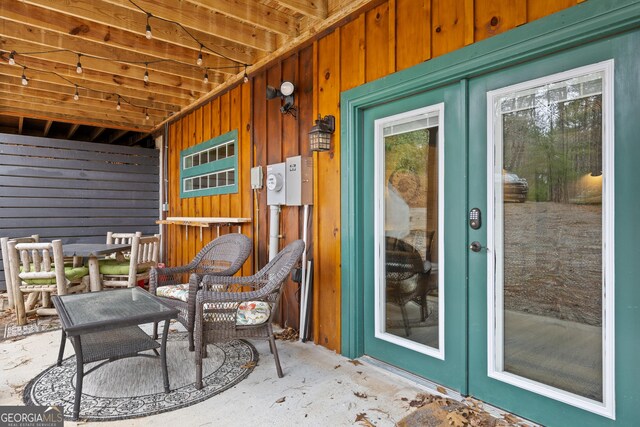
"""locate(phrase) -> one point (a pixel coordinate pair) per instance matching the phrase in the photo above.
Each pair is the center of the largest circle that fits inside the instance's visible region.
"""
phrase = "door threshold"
(434, 388)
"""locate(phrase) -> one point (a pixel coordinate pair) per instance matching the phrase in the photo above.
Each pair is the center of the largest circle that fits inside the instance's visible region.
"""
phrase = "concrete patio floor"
(320, 388)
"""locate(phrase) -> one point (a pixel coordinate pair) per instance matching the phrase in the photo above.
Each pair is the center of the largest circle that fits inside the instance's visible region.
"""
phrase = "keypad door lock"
(475, 218)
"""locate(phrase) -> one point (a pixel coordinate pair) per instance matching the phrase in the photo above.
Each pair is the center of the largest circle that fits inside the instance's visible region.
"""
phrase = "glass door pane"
(409, 306)
(550, 282)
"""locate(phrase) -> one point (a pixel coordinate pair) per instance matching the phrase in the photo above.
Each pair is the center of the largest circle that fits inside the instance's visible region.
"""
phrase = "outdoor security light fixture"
(320, 133)
(286, 94)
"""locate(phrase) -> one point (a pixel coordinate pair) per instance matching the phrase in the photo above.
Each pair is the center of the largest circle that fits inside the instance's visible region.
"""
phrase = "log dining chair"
(34, 238)
(223, 256)
(118, 239)
(144, 254)
(39, 268)
(225, 310)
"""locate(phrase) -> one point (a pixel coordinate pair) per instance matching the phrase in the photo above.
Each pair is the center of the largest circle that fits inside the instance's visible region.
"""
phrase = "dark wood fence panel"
(75, 191)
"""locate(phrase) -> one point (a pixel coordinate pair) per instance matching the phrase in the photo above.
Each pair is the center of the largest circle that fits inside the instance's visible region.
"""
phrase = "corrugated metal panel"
(75, 191)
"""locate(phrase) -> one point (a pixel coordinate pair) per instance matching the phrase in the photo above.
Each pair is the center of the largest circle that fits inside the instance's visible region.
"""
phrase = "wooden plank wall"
(75, 191)
(230, 111)
(394, 35)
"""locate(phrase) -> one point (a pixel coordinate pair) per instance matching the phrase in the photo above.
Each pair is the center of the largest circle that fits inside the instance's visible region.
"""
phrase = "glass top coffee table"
(103, 326)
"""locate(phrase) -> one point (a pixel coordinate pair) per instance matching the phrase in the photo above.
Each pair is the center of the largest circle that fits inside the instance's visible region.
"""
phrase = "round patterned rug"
(132, 387)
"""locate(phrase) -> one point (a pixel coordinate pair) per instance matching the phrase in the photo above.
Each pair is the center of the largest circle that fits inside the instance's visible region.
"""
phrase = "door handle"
(476, 246)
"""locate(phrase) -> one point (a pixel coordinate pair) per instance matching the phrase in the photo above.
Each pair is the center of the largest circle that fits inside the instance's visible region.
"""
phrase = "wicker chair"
(407, 278)
(224, 256)
(38, 268)
(34, 238)
(226, 311)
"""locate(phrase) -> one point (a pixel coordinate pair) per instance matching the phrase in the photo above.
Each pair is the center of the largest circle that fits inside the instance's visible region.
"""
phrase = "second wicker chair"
(224, 256)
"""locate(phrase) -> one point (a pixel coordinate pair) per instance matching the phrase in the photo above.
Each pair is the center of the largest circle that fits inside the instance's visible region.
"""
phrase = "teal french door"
(490, 232)
(414, 190)
(549, 163)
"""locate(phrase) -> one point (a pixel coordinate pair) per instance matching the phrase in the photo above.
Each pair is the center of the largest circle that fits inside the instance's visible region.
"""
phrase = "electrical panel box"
(256, 178)
(299, 177)
(276, 185)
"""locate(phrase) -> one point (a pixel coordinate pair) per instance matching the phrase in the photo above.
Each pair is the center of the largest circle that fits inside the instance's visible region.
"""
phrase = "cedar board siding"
(75, 191)
(394, 35)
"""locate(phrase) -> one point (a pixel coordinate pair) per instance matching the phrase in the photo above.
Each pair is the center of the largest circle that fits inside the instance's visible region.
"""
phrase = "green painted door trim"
(586, 22)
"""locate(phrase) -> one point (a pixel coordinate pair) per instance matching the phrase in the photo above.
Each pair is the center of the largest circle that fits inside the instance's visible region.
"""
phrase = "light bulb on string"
(146, 114)
(12, 59)
(199, 60)
(206, 78)
(25, 81)
(76, 95)
(146, 73)
(246, 77)
(118, 104)
(79, 66)
(147, 32)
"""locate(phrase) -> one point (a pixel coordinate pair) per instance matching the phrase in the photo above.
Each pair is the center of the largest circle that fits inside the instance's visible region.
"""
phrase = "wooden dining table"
(92, 251)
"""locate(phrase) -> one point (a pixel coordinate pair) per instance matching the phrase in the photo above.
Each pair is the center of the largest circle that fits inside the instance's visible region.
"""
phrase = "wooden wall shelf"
(204, 222)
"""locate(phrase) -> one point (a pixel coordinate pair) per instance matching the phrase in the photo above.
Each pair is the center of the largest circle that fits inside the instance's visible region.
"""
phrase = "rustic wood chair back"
(39, 261)
(34, 238)
(144, 255)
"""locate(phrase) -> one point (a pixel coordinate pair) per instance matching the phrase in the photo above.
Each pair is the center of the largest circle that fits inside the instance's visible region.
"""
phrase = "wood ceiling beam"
(59, 31)
(72, 130)
(316, 9)
(122, 14)
(116, 136)
(101, 90)
(37, 111)
(47, 128)
(96, 133)
(85, 102)
(191, 78)
(75, 109)
(56, 91)
(20, 125)
(253, 13)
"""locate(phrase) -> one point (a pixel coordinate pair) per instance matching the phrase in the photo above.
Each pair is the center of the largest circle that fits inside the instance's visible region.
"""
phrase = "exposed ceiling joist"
(72, 130)
(96, 133)
(316, 9)
(47, 128)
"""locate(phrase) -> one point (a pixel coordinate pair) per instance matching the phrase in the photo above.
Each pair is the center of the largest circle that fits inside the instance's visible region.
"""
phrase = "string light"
(199, 60)
(146, 114)
(146, 72)
(147, 32)
(246, 77)
(76, 95)
(12, 60)
(118, 104)
(79, 65)
(206, 77)
(25, 81)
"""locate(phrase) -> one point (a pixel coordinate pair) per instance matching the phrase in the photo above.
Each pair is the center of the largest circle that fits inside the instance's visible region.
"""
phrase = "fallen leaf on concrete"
(510, 418)
(336, 367)
(281, 400)
(362, 418)
(441, 389)
(355, 362)
(456, 419)
(249, 365)
(287, 334)
(360, 395)
(404, 399)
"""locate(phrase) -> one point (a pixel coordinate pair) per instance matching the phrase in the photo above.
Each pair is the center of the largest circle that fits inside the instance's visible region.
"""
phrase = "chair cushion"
(179, 292)
(248, 312)
(72, 273)
(113, 267)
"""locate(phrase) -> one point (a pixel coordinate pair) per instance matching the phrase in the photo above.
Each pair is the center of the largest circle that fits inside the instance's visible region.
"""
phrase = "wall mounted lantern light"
(320, 133)
(286, 94)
